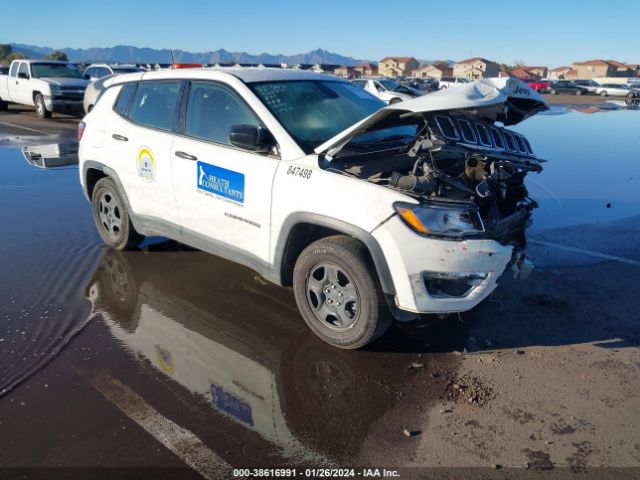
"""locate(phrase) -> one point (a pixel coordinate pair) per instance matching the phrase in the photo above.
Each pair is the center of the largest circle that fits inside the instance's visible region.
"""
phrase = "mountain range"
(130, 54)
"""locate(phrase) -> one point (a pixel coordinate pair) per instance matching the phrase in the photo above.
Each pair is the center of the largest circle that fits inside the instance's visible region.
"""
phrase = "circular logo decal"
(165, 359)
(146, 165)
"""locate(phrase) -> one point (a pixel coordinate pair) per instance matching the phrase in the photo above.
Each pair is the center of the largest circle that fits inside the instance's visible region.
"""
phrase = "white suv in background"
(370, 213)
(447, 82)
(96, 71)
(389, 91)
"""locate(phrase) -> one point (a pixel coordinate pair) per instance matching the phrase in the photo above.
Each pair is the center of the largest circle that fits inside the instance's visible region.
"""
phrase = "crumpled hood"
(66, 82)
(506, 100)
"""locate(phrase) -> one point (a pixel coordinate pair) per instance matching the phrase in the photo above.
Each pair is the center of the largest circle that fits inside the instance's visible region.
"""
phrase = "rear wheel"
(111, 216)
(603, 93)
(338, 293)
(41, 108)
(578, 92)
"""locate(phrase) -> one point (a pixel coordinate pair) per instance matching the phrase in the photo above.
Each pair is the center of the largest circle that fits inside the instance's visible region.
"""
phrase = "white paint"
(590, 253)
(182, 442)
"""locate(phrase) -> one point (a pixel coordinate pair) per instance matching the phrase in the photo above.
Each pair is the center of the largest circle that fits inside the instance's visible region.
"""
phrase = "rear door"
(223, 192)
(139, 147)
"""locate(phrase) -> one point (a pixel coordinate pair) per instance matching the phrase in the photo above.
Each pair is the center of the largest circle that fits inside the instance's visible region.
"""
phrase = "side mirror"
(86, 77)
(23, 75)
(251, 137)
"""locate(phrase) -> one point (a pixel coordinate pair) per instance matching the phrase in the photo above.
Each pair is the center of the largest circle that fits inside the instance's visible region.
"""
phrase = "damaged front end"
(464, 173)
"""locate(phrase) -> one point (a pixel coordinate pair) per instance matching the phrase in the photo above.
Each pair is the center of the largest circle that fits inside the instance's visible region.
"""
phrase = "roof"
(366, 65)
(474, 60)
(247, 75)
(345, 67)
(398, 59)
(560, 69)
(602, 63)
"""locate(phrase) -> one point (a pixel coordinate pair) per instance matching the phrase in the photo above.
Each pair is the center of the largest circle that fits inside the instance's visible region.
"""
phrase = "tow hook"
(522, 267)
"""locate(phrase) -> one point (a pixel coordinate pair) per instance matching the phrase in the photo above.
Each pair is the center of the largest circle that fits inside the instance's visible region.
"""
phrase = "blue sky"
(535, 31)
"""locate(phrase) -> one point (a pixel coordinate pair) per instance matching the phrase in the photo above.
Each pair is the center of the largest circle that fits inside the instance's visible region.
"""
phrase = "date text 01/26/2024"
(315, 473)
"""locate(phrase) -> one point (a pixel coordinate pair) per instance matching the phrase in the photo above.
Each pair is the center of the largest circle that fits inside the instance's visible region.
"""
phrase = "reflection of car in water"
(222, 333)
(52, 155)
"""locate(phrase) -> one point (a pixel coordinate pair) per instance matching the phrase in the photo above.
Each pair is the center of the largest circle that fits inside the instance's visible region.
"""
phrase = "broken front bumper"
(441, 276)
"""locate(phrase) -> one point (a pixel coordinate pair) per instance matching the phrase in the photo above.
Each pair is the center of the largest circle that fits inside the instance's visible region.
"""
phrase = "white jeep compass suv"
(369, 211)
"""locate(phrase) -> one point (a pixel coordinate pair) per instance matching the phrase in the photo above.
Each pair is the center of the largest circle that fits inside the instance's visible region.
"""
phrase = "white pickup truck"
(48, 85)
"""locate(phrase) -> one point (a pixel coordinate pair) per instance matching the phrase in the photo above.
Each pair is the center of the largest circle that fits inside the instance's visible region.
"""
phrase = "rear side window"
(213, 109)
(124, 98)
(14, 69)
(154, 104)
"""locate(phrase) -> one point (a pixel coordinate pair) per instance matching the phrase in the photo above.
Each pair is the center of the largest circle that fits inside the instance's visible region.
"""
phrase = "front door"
(223, 192)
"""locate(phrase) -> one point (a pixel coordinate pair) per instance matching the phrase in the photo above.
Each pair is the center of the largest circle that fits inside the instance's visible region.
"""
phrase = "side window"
(213, 109)
(24, 68)
(14, 69)
(103, 72)
(154, 104)
(122, 102)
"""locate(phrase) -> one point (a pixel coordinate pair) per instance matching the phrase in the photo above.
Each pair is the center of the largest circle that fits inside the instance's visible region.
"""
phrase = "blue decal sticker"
(221, 182)
(231, 405)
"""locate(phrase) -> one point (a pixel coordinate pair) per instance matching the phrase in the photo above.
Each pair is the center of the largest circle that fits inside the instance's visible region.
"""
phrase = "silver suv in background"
(446, 82)
(96, 71)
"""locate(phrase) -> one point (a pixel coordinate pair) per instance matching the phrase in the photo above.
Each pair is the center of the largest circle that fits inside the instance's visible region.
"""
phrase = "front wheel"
(111, 216)
(603, 93)
(338, 293)
(41, 108)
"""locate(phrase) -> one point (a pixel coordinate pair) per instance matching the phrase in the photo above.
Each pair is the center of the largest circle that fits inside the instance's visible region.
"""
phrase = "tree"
(14, 56)
(5, 50)
(441, 63)
(58, 55)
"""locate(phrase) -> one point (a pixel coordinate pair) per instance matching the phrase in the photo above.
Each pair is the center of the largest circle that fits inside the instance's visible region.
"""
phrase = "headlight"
(55, 90)
(442, 220)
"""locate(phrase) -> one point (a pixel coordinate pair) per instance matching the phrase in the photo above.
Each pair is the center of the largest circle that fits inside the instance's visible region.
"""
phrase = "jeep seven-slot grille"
(465, 131)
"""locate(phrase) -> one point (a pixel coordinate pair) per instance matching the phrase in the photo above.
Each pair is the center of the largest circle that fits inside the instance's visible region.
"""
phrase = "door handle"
(186, 156)
(119, 137)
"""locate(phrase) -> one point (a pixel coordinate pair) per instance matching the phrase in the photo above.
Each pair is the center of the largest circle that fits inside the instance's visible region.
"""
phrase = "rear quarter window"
(124, 98)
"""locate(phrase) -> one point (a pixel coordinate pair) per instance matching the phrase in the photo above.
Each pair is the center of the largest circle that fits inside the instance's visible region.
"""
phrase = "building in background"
(397, 66)
(366, 69)
(476, 68)
(601, 69)
(345, 71)
(433, 71)
(558, 73)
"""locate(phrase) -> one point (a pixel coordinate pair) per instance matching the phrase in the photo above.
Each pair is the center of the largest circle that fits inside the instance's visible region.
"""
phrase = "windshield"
(389, 84)
(313, 111)
(47, 70)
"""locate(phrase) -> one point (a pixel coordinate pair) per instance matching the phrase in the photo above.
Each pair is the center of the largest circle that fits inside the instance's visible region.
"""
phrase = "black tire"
(41, 109)
(346, 306)
(3, 105)
(112, 218)
(578, 92)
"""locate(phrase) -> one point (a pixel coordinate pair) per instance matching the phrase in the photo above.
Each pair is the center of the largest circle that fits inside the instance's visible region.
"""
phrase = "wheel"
(111, 216)
(630, 95)
(338, 293)
(603, 93)
(395, 100)
(578, 92)
(41, 109)
(553, 92)
(3, 105)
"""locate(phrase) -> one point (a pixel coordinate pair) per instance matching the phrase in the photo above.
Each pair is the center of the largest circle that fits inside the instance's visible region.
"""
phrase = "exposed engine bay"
(460, 157)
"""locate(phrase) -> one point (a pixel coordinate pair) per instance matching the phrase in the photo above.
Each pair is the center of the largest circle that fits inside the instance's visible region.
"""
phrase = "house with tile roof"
(397, 66)
(475, 68)
(433, 71)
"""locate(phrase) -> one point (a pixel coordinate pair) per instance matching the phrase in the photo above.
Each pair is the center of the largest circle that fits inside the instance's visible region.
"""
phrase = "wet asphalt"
(168, 362)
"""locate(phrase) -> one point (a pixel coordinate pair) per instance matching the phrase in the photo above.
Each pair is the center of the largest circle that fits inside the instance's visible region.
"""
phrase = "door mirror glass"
(251, 137)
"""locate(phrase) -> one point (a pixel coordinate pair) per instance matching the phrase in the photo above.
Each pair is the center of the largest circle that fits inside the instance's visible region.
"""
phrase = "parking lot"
(173, 359)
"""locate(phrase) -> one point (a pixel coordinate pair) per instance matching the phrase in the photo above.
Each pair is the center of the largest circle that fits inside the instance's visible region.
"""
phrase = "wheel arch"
(301, 229)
